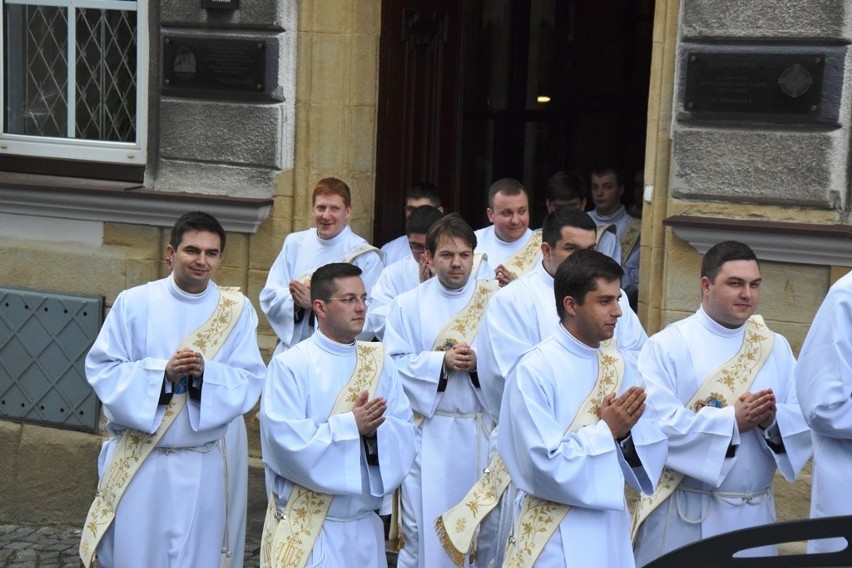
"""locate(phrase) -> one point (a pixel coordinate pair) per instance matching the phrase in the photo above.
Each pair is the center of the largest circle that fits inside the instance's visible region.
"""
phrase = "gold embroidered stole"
(135, 446)
(477, 261)
(456, 528)
(463, 327)
(524, 260)
(350, 256)
(630, 239)
(540, 518)
(288, 541)
(721, 388)
(601, 230)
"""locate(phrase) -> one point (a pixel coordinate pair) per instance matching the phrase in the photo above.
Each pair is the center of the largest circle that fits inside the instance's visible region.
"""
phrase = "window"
(74, 79)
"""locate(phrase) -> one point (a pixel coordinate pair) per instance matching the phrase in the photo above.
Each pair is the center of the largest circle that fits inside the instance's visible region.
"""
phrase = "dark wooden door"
(419, 121)
(475, 90)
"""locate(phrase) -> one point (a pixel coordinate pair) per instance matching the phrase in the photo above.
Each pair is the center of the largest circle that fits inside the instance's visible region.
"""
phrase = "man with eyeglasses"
(429, 331)
(336, 434)
(421, 193)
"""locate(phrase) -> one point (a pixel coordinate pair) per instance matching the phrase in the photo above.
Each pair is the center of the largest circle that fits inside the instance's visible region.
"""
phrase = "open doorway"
(482, 89)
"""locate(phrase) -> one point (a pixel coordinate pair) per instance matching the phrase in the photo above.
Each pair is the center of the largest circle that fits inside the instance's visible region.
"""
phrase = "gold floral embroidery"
(465, 324)
(288, 542)
(724, 384)
(524, 260)
(630, 238)
(539, 517)
(135, 446)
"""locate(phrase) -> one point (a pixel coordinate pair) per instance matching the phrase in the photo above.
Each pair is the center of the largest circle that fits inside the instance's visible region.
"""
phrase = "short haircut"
(323, 279)
(451, 225)
(506, 186)
(723, 252)
(603, 169)
(421, 219)
(565, 186)
(332, 186)
(424, 190)
(578, 275)
(551, 228)
(196, 221)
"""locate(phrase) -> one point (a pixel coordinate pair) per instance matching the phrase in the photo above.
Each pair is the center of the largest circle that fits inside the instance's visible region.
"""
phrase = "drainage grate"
(44, 339)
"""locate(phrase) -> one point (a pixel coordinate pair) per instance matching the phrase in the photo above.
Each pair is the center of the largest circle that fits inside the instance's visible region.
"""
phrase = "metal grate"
(44, 339)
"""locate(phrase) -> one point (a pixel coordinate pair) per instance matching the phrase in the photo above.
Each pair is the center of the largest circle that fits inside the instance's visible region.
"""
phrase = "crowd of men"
(491, 390)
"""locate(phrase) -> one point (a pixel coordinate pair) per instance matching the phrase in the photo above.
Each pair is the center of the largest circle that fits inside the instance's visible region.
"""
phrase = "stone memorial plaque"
(193, 66)
(764, 86)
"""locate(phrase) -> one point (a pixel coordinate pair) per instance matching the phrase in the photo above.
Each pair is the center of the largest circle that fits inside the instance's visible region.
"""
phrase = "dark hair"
(604, 169)
(506, 186)
(565, 186)
(424, 190)
(723, 252)
(323, 279)
(196, 221)
(578, 275)
(332, 186)
(421, 219)
(451, 225)
(551, 228)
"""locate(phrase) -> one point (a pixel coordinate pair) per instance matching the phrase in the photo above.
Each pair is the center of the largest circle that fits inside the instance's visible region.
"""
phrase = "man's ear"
(319, 308)
(705, 285)
(570, 305)
(545, 250)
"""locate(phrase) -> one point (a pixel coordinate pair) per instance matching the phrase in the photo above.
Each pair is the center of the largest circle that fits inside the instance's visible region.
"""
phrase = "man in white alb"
(508, 243)
(286, 297)
(519, 316)
(175, 362)
(721, 385)
(607, 188)
(420, 193)
(405, 274)
(428, 332)
(574, 430)
(336, 435)
(824, 385)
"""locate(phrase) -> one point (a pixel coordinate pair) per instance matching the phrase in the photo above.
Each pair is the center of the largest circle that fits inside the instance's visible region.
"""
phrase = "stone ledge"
(801, 243)
(121, 202)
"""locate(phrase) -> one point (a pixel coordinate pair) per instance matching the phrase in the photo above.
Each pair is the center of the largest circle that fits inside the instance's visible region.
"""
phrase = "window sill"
(802, 243)
(122, 202)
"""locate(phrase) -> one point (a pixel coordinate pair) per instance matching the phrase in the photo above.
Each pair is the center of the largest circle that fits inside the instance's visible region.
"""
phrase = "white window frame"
(73, 148)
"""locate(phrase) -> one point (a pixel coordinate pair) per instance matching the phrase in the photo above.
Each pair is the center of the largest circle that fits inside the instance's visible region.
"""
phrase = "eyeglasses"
(416, 247)
(351, 300)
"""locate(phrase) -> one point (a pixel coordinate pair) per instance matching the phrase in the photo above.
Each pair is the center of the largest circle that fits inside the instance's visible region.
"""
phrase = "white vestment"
(453, 437)
(397, 278)
(609, 245)
(520, 315)
(622, 220)
(302, 253)
(303, 444)
(824, 385)
(173, 511)
(585, 469)
(498, 250)
(395, 250)
(523, 313)
(718, 494)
